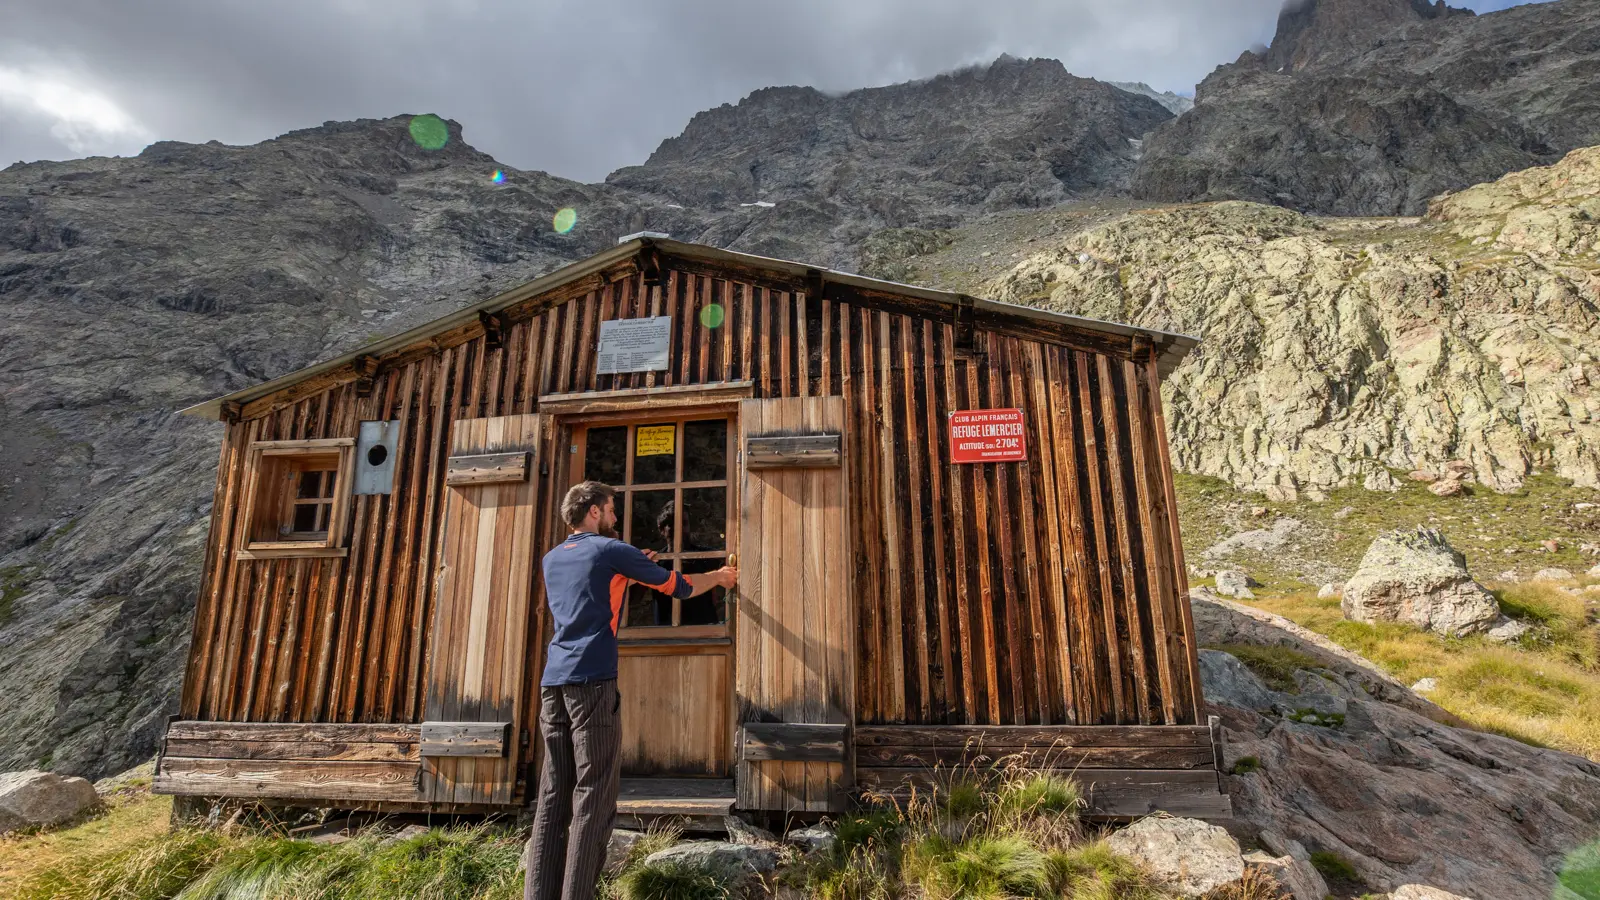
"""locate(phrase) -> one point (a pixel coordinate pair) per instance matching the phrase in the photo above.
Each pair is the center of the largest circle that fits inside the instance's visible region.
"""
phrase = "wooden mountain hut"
(954, 522)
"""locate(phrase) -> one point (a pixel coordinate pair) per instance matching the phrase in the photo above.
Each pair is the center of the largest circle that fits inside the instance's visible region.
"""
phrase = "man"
(586, 581)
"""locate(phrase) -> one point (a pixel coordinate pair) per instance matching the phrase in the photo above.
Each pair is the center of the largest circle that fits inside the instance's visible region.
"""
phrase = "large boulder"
(35, 799)
(1416, 577)
(739, 866)
(1192, 857)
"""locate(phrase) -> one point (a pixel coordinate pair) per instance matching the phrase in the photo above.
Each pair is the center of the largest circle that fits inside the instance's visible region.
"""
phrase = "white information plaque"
(634, 345)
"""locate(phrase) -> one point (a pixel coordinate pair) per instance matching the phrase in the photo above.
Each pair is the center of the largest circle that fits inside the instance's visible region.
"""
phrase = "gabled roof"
(1170, 347)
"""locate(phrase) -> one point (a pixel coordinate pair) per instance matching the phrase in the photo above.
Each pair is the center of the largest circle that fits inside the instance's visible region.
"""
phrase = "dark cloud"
(575, 88)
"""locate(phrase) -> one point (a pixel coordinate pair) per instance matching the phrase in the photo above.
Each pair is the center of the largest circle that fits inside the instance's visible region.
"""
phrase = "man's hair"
(575, 506)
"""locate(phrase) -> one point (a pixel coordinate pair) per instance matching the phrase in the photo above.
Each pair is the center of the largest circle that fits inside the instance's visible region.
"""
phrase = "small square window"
(297, 495)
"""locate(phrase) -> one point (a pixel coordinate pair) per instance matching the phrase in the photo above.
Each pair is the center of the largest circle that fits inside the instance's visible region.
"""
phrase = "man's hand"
(650, 555)
(725, 577)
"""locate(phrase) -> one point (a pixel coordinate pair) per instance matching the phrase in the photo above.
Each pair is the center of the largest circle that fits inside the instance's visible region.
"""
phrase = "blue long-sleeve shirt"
(586, 582)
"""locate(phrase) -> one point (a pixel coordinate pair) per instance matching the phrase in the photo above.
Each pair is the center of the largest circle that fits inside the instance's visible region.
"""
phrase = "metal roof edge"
(1171, 346)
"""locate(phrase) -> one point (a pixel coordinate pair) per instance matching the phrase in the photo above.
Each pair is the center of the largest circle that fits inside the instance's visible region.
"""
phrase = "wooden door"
(795, 668)
(484, 596)
(674, 497)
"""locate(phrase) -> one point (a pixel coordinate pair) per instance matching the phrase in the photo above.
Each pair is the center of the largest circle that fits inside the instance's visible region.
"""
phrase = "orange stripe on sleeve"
(619, 592)
(670, 586)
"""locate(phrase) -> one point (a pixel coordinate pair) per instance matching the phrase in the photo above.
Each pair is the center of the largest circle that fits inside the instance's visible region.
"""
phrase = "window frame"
(680, 417)
(261, 458)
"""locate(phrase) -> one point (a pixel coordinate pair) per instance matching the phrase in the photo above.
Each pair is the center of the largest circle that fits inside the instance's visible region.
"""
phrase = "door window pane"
(652, 521)
(710, 608)
(705, 450)
(655, 459)
(606, 455)
(705, 519)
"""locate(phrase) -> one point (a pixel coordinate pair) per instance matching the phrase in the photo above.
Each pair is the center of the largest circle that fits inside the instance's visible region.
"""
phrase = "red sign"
(987, 435)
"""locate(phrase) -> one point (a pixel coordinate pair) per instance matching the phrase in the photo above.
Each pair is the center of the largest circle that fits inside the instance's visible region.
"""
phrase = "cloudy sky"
(575, 87)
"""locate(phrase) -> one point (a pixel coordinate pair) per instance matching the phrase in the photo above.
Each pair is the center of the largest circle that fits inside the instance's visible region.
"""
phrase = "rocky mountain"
(1339, 350)
(815, 174)
(134, 287)
(1370, 107)
(1176, 104)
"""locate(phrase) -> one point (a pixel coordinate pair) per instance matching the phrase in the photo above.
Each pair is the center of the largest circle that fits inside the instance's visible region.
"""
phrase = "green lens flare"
(712, 316)
(430, 132)
(1580, 875)
(565, 220)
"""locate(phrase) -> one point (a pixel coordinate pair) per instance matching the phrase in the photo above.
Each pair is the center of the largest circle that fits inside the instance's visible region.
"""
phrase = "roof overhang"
(1170, 347)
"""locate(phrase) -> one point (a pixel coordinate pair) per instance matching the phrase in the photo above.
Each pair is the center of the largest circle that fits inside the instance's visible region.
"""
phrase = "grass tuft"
(1093, 872)
(1246, 765)
(1333, 866)
(669, 881)
(1274, 665)
(986, 867)
(1255, 885)
(189, 864)
(153, 869)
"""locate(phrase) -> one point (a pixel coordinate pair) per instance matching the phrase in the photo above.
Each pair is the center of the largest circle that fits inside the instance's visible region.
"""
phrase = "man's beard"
(610, 531)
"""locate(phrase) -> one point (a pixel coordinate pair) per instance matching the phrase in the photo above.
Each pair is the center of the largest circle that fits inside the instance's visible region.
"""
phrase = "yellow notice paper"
(655, 440)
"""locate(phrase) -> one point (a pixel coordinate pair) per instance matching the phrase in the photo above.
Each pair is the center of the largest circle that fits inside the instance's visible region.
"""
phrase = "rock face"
(1389, 788)
(1370, 107)
(41, 799)
(1335, 351)
(1422, 892)
(1416, 577)
(1191, 856)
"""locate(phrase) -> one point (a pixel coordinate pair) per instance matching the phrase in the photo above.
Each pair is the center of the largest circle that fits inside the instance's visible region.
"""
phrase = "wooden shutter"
(796, 614)
(480, 622)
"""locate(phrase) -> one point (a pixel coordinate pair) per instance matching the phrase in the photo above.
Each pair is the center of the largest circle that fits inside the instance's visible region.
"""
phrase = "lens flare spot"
(498, 177)
(565, 220)
(713, 316)
(430, 132)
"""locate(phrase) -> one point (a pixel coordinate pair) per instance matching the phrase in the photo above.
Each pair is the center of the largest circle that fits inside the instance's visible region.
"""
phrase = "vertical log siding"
(1041, 593)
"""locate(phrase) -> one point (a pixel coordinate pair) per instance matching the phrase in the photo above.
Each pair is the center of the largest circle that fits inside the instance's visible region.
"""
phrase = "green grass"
(1246, 765)
(1580, 872)
(1274, 665)
(982, 867)
(126, 820)
(669, 881)
(976, 834)
(1333, 866)
(1543, 694)
(189, 864)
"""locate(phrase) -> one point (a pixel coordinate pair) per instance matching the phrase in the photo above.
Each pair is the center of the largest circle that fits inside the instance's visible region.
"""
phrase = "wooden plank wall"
(1048, 592)
(323, 762)
(796, 623)
(1124, 770)
(987, 593)
(479, 629)
(345, 639)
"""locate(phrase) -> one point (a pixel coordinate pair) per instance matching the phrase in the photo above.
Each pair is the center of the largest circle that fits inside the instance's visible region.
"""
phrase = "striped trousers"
(577, 806)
